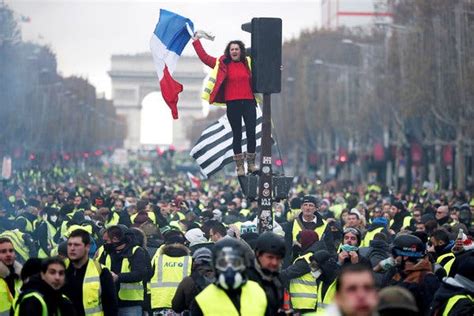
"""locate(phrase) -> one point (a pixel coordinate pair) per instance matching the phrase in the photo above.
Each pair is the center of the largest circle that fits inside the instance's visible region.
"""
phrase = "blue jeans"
(130, 311)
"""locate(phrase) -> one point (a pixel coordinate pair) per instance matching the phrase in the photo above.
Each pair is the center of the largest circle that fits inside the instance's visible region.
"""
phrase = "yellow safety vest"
(39, 297)
(370, 236)
(113, 221)
(303, 290)
(214, 301)
(91, 289)
(453, 300)
(298, 226)
(16, 237)
(151, 216)
(29, 225)
(128, 291)
(406, 222)
(211, 82)
(6, 297)
(244, 212)
(292, 214)
(51, 231)
(169, 271)
(323, 302)
(448, 264)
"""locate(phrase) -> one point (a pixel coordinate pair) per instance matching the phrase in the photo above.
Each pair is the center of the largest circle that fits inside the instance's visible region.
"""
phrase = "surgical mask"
(316, 274)
(230, 279)
(244, 204)
(53, 218)
(277, 214)
(87, 218)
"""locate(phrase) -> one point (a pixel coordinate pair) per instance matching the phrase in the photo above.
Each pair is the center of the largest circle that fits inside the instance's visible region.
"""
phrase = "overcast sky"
(85, 33)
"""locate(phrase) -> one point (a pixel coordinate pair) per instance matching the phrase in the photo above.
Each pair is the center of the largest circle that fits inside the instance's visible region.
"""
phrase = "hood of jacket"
(175, 250)
(5, 270)
(446, 291)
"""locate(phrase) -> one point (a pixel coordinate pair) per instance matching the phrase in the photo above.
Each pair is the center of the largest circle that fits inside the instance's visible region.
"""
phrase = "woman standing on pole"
(230, 82)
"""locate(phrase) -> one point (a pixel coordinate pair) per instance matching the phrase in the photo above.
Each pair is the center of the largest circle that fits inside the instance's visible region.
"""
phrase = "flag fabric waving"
(167, 43)
(213, 150)
(195, 181)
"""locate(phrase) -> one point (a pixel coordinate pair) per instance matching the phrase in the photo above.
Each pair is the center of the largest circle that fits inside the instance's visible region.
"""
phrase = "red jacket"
(217, 94)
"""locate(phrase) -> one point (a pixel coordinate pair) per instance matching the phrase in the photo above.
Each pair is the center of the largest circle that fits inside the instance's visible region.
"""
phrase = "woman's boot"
(239, 162)
(251, 167)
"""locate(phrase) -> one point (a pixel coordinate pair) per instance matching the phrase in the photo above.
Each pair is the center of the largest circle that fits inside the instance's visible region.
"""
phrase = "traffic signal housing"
(265, 53)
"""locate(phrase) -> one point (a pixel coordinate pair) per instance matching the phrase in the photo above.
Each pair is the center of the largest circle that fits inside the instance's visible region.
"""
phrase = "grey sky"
(84, 34)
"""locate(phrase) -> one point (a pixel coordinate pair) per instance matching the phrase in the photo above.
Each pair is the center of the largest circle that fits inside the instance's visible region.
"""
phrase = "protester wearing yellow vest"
(230, 82)
(456, 294)
(325, 270)
(401, 218)
(22, 243)
(171, 263)
(126, 261)
(232, 294)
(89, 285)
(10, 271)
(303, 289)
(42, 295)
(309, 218)
(441, 250)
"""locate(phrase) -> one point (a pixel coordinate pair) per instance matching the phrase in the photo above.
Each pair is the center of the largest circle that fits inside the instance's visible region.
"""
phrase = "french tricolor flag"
(172, 33)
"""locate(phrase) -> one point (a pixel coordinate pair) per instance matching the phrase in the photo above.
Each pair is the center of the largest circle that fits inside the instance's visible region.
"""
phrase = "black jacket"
(444, 293)
(73, 290)
(53, 298)
(272, 285)
(187, 290)
(139, 269)
(398, 220)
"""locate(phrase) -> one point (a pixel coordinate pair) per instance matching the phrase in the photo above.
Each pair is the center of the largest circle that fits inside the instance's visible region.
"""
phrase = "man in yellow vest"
(171, 263)
(325, 270)
(10, 271)
(456, 294)
(89, 285)
(309, 218)
(232, 294)
(400, 218)
(43, 295)
(126, 261)
(441, 250)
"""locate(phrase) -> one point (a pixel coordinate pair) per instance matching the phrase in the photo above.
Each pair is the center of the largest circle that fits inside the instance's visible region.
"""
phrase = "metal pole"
(265, 193)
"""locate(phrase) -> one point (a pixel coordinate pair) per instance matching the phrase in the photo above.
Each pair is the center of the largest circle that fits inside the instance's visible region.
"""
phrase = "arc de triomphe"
(134, 77)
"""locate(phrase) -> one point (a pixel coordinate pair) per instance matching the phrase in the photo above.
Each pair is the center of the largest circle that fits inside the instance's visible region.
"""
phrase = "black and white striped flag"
(213, 150)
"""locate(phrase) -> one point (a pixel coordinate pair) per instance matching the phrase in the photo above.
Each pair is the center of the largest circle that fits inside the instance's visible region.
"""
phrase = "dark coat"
(444, 293)
(53, 298)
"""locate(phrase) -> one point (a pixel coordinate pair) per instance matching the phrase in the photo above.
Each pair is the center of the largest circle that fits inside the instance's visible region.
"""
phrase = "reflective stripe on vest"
(214, 301)
(91, 289)
(303, 290)
(39, 297)
(113, 221)
(169, 271)
(16, 237)
(298, 227)
(370, 236)
(453, 300)
(448, 263)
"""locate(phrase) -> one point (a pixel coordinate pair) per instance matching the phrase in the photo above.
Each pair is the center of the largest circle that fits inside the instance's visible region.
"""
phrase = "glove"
(388, 263)
(203, 34)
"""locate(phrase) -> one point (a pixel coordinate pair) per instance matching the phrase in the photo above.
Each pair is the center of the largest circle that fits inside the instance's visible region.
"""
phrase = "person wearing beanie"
(349, 249)
(325, 270)
(310, 219)
(396, 300)
(202, 274)
(171, 264)
(400, 218)
(456, 294)
(298, 278)
(324, 209)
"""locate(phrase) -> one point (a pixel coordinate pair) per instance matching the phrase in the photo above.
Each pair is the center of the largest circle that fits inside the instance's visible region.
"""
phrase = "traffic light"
(265, 53)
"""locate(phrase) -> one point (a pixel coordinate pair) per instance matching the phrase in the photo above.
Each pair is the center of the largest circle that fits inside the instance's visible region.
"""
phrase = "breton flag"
(213, 150)
(172, 33)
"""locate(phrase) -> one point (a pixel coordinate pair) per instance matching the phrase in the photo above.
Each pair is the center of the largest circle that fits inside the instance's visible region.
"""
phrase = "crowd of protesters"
(114, 241)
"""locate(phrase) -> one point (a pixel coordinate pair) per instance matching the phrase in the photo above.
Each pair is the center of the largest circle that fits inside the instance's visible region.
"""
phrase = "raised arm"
(203, 56)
